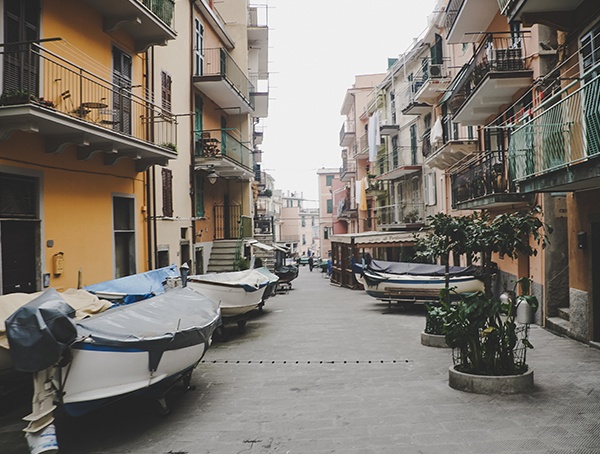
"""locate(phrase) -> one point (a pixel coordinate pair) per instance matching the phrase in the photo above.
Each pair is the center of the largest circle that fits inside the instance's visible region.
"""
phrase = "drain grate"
(233, 361)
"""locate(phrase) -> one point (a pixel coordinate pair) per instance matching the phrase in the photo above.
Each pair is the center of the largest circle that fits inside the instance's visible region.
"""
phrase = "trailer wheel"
(163, 407)
(241, 325)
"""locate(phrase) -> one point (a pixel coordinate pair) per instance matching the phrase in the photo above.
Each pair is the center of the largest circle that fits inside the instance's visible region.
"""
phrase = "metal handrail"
(211, 143)
(217, 61)
(494, 54)
(52, 82)
(564, 131)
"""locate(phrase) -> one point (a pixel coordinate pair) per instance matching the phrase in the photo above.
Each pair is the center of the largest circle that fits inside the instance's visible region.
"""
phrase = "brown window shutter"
(167, 191)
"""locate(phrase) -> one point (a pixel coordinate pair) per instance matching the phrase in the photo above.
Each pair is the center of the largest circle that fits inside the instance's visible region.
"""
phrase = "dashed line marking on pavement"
(233, 361)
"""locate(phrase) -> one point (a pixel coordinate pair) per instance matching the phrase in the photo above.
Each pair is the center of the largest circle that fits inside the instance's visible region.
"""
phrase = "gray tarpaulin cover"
(179, 318)
(40, 331)
(420, 269)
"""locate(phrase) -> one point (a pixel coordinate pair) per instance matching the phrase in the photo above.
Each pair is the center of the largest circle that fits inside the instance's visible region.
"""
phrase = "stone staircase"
(560, 324)
(267, 257)
(222, 256)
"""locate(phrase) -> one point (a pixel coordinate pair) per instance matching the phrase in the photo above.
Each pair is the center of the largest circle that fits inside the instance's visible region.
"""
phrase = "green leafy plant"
(485, 337)
(12, 96)
(435, 319)
(169, 145)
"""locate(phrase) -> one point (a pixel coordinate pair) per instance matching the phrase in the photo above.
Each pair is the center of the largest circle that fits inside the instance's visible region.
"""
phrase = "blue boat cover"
(40, 331)
(137, 286)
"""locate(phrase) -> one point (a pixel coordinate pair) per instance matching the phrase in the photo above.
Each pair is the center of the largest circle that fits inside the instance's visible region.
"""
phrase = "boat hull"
(98, 375)
(232, 300)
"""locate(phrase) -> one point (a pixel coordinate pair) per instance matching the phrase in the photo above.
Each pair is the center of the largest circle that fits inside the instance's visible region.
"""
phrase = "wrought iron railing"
(505, 5)
(487, 174)
(216, 143)
(403, 213)
(218, 62)
(34, 75)
(562, 131)
(264, 225)
(162, 8)
(452, 11)
(497, 53)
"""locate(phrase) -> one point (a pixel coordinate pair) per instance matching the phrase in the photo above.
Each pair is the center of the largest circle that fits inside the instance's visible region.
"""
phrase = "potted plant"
(525, 304)
(14, 96)
(488, 346)
(435, 319)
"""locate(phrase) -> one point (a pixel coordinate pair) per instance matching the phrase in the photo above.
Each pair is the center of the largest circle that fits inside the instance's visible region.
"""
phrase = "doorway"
(595, 252)
(18, 243)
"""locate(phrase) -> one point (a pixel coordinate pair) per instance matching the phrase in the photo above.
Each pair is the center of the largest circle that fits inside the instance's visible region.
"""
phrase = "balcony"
(362, 148)
(464, 18)
(561, 14)
(406, 215)
(495, 74)
(224, 82)
(218, 150)
(259, 96)
(394, 165)
(149, 22)
(485, 182)
(435, 79)
(558, 148)
(347, 133)
(449, 153)
(258, 36)
(46, 94)
(410, 105)
(348, 170)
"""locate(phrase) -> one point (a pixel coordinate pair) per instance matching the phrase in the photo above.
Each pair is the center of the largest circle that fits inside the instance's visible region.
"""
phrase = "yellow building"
(78, 130)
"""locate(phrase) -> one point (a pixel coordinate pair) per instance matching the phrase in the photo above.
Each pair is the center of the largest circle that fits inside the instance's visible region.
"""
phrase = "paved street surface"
(329, 370)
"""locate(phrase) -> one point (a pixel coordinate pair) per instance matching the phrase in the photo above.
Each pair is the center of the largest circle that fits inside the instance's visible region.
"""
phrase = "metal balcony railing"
(217, 143)
(505, 5)
(452, 11)
(348, 129)
(34, 75)
(488, 174)
(496, 53)
(404, 213)
(218, 62)
(562, 131)
(348, 167)
(163, 9)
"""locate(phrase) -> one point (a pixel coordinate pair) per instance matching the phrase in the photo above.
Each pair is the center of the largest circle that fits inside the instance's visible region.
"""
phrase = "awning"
(375, 238)
(265, 247)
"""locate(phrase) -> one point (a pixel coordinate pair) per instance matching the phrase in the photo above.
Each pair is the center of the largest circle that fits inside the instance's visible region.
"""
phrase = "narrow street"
(324, 369)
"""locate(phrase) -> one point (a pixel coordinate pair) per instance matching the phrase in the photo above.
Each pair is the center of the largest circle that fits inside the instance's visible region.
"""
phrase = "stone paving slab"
(329, 370)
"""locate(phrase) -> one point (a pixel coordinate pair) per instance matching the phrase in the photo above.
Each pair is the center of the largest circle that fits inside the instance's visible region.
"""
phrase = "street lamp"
(212, 177)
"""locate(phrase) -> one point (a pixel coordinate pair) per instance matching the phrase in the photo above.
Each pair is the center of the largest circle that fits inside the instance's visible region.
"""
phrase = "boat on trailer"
(403, 281)
(142, 347)
(237, 292)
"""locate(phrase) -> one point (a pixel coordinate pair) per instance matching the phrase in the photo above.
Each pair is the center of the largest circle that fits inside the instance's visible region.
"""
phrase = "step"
(564, 313)
(558, 325)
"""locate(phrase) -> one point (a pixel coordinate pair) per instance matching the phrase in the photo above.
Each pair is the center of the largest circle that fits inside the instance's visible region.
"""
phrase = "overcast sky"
(316, 49)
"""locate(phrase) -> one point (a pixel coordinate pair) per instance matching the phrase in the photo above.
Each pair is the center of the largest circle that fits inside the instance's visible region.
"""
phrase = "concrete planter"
(434, 340)
(490, 384)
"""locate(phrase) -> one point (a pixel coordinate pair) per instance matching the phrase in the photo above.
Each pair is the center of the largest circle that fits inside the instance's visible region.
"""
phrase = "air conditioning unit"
(436, 71)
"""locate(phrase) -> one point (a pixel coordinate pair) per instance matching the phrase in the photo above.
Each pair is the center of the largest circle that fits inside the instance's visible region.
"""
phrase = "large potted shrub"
(489, 346)
(433, 335)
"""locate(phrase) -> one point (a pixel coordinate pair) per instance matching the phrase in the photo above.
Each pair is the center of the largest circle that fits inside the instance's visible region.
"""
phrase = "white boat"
(237, 292)
(414, 281)
(143, 347)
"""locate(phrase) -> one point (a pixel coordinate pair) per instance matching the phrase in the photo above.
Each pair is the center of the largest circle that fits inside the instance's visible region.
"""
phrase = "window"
(122, 77)
(393, 106)
(303, 219)
(430, 189)
(21, 24)
(124, 236)
(198, 123)
(328, 180)
(165, 83)
(395, 152)
(326, 233)
(329, 206)
(303, 239)
(413, 145)
(167, 192)
(198, 48)
(199, 196)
